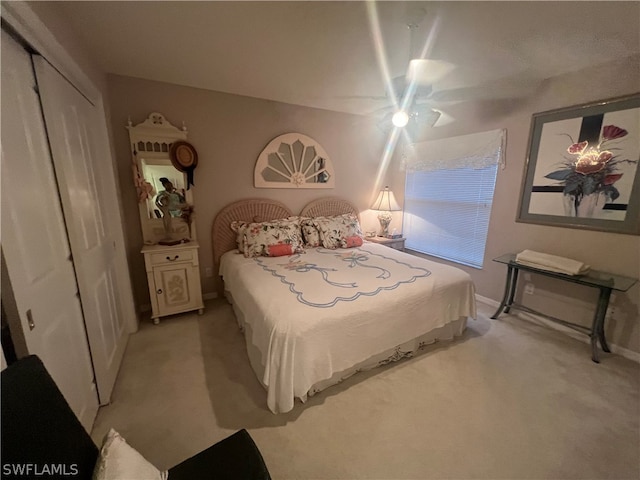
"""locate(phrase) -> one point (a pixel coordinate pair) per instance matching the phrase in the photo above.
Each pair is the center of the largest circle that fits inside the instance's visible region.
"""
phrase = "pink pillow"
(280, 250)
(354, 241)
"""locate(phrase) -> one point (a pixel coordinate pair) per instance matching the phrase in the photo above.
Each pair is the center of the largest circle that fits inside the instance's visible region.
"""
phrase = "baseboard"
(487, 301)
(623, 352)
(618, 350)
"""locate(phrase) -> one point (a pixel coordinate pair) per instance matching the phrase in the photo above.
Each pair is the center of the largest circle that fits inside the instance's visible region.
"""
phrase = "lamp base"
(385, 219)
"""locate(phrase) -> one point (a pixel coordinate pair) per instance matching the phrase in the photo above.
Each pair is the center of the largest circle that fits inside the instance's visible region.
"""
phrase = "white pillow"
(118, 460)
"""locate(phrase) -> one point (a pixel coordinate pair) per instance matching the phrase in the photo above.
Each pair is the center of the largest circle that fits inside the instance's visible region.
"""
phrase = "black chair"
(39, 427)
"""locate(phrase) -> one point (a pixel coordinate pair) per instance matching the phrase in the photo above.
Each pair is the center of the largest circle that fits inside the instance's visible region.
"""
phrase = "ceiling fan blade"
(424, 115)
(504, 88)
(444, 119)
(425, 71)
(362, 97)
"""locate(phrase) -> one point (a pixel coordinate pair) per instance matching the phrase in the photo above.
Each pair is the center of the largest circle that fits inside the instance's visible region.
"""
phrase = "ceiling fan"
(411, 99)
(412, 93)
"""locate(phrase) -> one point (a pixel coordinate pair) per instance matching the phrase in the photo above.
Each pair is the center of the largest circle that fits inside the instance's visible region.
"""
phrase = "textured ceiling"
(322, 54)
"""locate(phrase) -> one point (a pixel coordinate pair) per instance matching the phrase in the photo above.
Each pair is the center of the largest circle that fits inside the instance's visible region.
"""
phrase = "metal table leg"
(597, 328)
(507, 290)
(512, 293)
(603, 304)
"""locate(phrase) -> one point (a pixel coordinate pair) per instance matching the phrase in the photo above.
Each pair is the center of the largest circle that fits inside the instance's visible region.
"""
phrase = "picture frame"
(583, 167)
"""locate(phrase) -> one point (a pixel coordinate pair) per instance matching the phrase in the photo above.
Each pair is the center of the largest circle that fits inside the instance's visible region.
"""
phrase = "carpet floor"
(510, 399)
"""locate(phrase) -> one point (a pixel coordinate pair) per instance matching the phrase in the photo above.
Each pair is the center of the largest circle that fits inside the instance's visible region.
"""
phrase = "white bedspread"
(324, 311)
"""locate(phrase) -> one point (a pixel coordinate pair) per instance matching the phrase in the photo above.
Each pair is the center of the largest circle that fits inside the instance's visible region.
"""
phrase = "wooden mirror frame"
(150, 143)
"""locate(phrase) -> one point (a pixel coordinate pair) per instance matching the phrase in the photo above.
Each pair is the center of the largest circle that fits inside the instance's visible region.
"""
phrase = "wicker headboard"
(327, 206)
(263, 210)
(250, 210)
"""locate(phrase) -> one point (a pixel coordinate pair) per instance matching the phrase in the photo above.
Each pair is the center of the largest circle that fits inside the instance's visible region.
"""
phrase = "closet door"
(87, 188)
(34, 240)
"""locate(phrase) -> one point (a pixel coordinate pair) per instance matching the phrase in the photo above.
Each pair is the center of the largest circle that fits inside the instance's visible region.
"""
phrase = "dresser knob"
(159, 291)
(173, 259)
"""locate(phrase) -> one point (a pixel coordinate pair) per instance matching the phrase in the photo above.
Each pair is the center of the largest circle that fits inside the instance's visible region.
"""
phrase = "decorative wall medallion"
(293, 160)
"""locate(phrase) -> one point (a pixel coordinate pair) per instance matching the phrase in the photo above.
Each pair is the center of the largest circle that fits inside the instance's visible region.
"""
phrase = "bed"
(312, 319)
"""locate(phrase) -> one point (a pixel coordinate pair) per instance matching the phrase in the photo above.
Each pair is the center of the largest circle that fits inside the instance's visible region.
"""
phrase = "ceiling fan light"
(400, 119)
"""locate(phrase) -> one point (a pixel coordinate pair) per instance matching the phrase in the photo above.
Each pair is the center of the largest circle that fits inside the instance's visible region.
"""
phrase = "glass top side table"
(604, 281)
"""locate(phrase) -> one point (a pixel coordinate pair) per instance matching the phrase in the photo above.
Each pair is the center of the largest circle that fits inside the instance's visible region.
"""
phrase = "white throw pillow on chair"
(118, 460)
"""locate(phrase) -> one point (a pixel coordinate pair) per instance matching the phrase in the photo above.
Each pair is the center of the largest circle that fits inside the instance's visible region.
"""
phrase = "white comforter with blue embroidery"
(323, 311)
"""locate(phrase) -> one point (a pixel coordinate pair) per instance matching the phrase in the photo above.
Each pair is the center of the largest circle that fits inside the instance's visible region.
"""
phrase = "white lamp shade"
(386, 201)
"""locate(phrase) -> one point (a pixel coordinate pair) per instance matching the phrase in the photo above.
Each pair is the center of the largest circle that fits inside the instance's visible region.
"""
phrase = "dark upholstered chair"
(39, 427)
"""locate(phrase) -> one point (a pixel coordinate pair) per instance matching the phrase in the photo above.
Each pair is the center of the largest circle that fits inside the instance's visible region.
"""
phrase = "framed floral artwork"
(582, 167)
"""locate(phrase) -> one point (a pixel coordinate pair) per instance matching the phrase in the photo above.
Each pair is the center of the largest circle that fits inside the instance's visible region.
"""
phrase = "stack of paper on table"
(553, 263)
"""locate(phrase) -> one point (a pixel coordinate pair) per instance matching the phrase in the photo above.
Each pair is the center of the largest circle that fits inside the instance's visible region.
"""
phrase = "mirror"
(293, 160)
(165, 204)
(169, 187)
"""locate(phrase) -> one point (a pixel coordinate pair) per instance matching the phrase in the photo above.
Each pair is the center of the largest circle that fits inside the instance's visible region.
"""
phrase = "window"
(448, 196)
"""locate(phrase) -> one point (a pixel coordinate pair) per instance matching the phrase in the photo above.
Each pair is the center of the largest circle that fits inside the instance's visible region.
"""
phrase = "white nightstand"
(173, 275)
(395, 243)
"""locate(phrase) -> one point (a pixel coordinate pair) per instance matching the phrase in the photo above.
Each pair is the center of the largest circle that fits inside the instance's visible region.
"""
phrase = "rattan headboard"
(263, 210)
(250, 210)
(327, 206)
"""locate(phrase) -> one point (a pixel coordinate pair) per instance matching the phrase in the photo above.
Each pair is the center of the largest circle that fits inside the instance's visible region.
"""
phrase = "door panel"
(90, 205)
(174, 281)
(34, 240)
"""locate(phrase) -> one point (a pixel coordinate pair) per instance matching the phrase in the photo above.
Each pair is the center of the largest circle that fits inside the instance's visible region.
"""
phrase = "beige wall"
(229, 132)
(614, 253)
(54, 18)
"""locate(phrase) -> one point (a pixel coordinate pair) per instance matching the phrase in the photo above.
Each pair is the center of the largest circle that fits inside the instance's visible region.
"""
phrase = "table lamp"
(385, 204)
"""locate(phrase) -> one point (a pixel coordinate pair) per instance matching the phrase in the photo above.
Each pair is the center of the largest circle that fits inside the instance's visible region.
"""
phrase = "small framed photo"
(582, 167)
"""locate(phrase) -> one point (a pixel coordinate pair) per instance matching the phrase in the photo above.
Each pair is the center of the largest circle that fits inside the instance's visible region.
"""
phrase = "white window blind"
(447, 210)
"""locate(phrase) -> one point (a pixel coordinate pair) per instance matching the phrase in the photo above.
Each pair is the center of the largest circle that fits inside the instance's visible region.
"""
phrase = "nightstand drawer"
(171, 257)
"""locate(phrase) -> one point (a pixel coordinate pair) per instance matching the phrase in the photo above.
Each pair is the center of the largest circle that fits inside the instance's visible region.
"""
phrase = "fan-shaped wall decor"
(293, 160)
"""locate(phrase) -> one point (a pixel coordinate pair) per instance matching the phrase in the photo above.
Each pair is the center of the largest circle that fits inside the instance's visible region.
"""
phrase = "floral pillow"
(310, 233)
(273, 239)
(239, 227)
(338, 231)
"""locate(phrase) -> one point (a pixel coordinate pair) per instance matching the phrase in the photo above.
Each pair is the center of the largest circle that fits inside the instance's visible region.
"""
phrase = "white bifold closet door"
(80, 149)
(35, 245)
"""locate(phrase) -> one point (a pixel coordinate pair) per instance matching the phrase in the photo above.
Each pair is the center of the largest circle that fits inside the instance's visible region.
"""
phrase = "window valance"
(476, 150)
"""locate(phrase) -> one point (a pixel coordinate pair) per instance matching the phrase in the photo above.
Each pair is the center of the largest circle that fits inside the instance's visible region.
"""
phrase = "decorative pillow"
(260, 236)
(354, 241)
(280, 250)
(239, 227)
(310, 233)
(119, 460)
(334, 231)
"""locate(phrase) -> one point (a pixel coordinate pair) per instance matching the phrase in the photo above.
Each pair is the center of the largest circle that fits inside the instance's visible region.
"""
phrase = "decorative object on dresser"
(385, 204)
(582, 167)
(293, 160)
(395, 243)
(168, 230)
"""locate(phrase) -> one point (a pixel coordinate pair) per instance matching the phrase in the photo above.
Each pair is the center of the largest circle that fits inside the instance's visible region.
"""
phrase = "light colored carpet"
(508, 400)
